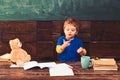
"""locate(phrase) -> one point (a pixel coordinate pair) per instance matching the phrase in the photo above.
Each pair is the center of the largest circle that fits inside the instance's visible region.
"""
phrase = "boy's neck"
(70, 39)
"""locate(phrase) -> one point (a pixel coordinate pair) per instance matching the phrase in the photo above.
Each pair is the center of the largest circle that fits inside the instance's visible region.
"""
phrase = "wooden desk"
(7, 73)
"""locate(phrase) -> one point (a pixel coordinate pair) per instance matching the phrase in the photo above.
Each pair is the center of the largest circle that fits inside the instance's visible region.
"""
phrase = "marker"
(68, 41)
(74, 69)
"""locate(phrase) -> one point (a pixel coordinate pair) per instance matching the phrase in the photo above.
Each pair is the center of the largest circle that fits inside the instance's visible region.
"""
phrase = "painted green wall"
(59, 9)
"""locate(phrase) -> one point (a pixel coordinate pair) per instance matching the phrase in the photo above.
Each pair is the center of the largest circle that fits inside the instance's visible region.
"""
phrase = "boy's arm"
(82, 51)
(58, 49)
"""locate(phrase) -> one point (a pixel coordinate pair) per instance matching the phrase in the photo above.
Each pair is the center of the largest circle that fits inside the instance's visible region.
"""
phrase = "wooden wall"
(101, 38)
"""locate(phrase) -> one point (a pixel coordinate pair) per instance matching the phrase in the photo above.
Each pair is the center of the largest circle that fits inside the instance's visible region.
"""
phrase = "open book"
(61, 69)
(33, 64)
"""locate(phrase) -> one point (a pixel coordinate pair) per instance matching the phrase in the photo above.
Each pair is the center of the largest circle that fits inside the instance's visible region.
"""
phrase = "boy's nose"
(69, 31)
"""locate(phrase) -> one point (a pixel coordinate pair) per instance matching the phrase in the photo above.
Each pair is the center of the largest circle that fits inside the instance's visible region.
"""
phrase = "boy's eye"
(67, 29)
(72, 30)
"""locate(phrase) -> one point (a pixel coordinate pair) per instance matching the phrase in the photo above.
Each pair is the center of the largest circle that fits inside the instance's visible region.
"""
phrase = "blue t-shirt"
(70, 52)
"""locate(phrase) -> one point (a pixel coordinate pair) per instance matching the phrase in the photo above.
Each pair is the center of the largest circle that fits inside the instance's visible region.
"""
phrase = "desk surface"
(7, 73)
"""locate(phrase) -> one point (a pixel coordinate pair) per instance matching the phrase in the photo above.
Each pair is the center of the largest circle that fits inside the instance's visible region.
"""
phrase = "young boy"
(70, 47)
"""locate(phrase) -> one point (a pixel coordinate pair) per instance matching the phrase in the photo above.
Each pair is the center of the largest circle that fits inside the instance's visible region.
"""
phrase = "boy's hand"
(61, 48)
(81, 51)
(65, 43)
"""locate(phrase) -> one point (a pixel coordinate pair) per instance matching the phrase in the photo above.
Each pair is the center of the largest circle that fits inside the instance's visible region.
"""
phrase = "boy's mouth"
(69, 34)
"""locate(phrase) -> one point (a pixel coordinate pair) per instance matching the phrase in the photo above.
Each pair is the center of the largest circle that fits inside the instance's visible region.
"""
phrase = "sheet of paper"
(61, 70)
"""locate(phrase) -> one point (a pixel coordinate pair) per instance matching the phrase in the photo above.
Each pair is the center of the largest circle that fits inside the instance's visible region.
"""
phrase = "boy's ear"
(76, 32)
(64, 31)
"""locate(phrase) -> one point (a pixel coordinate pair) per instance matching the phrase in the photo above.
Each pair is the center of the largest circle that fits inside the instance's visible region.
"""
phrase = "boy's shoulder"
(77, 38)
(61, 37)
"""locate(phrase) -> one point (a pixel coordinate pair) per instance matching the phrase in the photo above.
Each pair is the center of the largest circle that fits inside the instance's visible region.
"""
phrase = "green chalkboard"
(59, 9)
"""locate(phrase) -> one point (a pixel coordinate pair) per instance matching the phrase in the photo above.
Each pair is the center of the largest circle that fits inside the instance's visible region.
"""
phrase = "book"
(33, 64)
(61, 69)
(110, 67)
(42, 65)
(105, 61)
(5, 57)
(105, 64)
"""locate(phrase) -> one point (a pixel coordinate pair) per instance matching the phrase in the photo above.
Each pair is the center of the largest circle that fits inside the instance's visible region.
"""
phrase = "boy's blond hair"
(73, 22)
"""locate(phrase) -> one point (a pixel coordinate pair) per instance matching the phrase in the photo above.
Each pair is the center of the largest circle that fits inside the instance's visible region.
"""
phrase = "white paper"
(61, 70)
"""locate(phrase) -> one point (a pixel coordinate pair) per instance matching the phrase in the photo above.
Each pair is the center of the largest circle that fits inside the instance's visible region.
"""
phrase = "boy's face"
(70, 31)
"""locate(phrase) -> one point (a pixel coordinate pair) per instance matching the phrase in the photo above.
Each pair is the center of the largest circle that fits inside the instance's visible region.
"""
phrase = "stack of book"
(105, 64)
